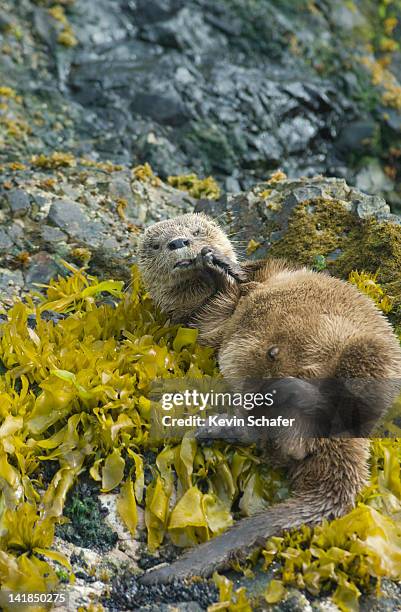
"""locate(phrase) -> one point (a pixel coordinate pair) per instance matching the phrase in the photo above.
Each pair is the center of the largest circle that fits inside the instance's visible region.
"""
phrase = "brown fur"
(322, 328)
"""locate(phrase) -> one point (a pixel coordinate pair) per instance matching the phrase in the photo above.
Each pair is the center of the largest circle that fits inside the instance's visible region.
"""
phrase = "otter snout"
(168, 253)
(178, 243)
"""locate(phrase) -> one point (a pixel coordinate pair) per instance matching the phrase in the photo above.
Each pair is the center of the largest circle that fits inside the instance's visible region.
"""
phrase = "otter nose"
(178, 243)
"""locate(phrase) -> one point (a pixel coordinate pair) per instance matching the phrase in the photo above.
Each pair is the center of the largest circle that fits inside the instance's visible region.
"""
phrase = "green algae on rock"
(317, 226)
(86, 526)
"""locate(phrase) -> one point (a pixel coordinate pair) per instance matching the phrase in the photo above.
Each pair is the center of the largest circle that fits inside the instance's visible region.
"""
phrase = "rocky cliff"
(234, 88)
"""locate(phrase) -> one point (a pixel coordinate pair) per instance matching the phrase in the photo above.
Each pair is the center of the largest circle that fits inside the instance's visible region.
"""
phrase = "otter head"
(167, 253)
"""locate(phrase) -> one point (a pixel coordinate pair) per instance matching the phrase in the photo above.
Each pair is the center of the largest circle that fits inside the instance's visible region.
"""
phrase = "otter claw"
(207, 256)
(212, 258)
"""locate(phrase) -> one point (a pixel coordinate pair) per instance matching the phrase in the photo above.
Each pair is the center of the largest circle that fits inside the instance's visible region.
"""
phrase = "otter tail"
(335, 415)
(327, 481)
(239, 541)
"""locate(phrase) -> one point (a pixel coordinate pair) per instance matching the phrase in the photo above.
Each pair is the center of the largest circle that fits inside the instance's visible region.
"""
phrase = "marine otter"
(272, 320)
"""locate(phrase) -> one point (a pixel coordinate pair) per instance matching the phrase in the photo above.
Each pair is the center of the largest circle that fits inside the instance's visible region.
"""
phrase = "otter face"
(168, 249)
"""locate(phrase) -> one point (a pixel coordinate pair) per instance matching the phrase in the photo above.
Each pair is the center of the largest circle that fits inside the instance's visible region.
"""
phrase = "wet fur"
(323, 328)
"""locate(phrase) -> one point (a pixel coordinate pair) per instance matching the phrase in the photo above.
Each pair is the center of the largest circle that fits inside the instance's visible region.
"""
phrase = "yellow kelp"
(76, 393)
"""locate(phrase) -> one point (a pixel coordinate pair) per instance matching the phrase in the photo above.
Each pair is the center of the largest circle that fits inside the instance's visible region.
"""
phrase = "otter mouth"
(184, 263)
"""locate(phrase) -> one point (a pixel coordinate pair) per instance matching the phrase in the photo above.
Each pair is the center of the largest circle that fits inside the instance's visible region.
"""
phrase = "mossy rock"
(320, 219)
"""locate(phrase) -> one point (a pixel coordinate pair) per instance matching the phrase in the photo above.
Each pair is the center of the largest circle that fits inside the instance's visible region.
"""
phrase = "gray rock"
(303, 194)
(72, 218)
(371, 206)
(230, 105)
(358, 136)
(372, 179)
(52, 234)
(5, 22)
(393, 119)
(157, 10)
(5, 241)
(45, 27)
(18, 201)
(10, 279)
(187, 30)
(244, 214)
(165, 109)
(297, 134)
(334, 255)
(120, 186)
(347, 17)
(17, 234)
(217, 85)
(268, 149)
(42, 268)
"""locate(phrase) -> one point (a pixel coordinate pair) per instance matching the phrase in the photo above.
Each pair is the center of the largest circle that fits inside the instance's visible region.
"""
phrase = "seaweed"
(74, 395)
(55, 160)
(196, 187)
(352, 553)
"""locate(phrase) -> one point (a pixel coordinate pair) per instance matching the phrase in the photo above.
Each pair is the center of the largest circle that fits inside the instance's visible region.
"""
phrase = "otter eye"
(155, 246)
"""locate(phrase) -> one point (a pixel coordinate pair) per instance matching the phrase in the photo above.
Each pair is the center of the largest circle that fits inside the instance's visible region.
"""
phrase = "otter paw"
(215, 260)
